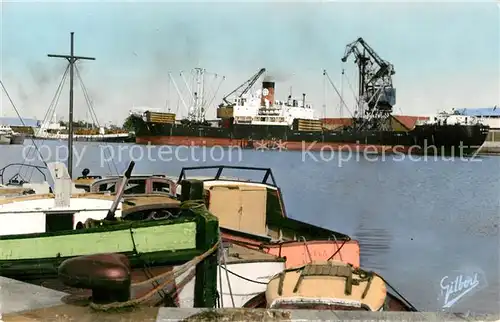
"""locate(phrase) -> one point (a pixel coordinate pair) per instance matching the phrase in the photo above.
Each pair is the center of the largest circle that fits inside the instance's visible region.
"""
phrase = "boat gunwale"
(268, 174)
(43, 265)
(309, 242)
(79, 195)
(256, 261)
(121, 225)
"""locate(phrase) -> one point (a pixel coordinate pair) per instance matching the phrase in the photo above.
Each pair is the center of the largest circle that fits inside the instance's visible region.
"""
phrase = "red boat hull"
(273, 145)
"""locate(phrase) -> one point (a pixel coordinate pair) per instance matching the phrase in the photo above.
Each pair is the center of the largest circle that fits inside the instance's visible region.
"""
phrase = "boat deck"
(240, 254)
(13, 191)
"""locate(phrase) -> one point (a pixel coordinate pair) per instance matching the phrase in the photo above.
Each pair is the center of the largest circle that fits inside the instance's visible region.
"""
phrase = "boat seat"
(107, 275)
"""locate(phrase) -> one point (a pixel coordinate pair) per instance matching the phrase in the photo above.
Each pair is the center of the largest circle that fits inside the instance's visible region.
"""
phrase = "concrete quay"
(25, 302)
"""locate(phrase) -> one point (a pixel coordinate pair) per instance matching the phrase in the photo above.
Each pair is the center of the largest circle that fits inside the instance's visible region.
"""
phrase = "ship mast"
(196, 104)
(196, 112)
(72, 59)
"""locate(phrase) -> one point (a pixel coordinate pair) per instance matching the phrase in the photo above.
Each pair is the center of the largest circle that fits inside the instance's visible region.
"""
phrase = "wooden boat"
(252, 213)
(256, 254)
(262, 220)
(155, 236)
(331, 285)
(37, 213)
(144, 245)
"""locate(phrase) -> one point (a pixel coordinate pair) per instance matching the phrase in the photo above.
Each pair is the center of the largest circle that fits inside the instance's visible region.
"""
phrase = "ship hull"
(17, 139)
(434, 139)
(96, 138)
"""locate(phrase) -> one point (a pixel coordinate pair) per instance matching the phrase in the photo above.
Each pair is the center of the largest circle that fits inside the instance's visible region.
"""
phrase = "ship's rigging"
(376, 95)
(72, 69)
(197, 105)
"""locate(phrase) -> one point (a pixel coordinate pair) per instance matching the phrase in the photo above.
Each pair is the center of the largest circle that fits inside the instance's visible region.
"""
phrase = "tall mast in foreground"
(72, 59)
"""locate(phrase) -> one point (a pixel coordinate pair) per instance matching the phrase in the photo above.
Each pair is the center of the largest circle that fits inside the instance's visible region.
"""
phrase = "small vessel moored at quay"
(8, 136)
(55, 131)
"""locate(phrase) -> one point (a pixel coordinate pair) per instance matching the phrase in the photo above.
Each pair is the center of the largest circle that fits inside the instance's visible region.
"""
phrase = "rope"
(282, 206)
(223, 256)
(48, 115)
(182, 269)
(243, 277)
(149, 274)
(193, 204)
(338, 247)
(19, 116)
(338, 250)
(307, 248)
(93, 115)
(215, 93)
(412, 308)
(172, 276)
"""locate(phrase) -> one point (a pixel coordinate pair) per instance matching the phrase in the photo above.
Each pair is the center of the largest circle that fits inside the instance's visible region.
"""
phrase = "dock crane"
(247, 85)
(376, 93)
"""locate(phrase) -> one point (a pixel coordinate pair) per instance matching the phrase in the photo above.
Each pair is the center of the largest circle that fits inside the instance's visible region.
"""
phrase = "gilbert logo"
(453, 288)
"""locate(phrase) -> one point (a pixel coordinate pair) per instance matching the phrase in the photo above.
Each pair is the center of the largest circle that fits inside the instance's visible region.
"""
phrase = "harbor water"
(429, 226)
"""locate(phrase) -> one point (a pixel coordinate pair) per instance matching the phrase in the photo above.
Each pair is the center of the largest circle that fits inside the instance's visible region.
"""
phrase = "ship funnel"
(267, 91)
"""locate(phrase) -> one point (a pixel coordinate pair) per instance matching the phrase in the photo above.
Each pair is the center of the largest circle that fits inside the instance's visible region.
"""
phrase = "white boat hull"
(241, 291)
(30, 216)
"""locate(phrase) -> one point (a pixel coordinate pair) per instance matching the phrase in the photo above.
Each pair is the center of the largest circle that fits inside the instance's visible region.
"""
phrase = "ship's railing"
(17, 178)
(268, 174)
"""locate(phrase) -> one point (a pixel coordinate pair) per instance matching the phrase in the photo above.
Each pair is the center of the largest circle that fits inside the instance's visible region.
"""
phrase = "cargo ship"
(260, 121)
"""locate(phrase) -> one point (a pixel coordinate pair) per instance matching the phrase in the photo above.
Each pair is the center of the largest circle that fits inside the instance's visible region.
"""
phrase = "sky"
(446, 54)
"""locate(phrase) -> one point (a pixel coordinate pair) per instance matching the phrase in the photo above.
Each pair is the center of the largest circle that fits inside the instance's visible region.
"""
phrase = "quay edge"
(21, 301)
(198, 314)
(175, 314)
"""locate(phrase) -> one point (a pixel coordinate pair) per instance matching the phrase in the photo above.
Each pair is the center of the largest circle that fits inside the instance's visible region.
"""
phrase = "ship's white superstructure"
(453, 118)
(52, 130)
(6, 130)
(262, 109)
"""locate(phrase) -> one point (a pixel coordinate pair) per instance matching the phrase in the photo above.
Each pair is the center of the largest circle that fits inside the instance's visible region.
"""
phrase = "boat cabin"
(137, 184)
(39, 213)
(253, 207)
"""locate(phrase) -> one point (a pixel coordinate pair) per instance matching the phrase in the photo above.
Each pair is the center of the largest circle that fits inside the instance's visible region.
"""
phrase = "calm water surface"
(416, 221)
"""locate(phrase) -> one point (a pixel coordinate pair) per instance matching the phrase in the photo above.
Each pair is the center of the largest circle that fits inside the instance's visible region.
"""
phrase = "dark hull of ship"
(435, 139)
(128, 139)
(17, 139)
